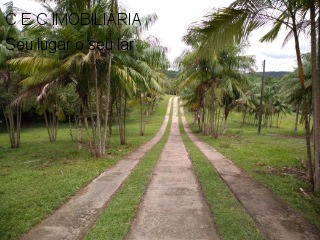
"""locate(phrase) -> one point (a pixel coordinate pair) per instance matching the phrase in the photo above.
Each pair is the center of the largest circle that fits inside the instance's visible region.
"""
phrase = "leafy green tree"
(50, 108)
(235, 23)
(9, 80)
(218, 83)
(94, 68)
(313, 7)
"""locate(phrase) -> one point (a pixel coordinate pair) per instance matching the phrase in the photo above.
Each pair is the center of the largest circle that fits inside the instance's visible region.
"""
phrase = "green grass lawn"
(115, 221)
(264, 157)
(231, 220)
(39, 176)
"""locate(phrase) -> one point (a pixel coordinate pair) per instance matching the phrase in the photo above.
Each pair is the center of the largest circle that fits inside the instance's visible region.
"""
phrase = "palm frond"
(33, 65)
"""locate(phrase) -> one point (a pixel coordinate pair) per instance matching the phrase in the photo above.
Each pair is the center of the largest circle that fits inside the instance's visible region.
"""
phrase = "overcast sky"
(174, 17)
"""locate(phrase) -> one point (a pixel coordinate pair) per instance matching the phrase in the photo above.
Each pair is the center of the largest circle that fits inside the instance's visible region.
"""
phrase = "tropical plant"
(9, 80)
(235, 23)
(100, 73)
(218, 83)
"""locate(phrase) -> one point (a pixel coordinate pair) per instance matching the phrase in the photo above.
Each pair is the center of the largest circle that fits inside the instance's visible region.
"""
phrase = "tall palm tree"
(311, 5)
(236, 22)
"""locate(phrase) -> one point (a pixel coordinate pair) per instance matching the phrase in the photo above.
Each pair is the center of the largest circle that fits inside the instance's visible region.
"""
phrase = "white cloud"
(277, 56)
(174, 18)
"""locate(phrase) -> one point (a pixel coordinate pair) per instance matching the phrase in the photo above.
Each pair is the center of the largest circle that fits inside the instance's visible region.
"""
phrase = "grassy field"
(275, 158)
(115, 221)
(231, 220)
(38, 177)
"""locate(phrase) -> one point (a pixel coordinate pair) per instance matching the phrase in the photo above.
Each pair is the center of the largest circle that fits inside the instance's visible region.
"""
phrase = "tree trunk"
(278, 120)
(266, 119)
(271, 120)
(19, 114)
(297, 117)
(316, 121)
(13, 126)
(309, 165)
(56, 126)
(106, 104)
(142, 119)
(111, 116)
(80, 133)
(199, 120)
(315, 95)
(216, 130)
(141, 114)
(6, 120)
(124, 119)
(226, 114)
(203, 127)
(52, 123)
(85, 121)
(304, 102)
(98, 141)
(47, 124)
(153, 106)
(70, 128)
(243, 118)
(213, 111)
(120, 119)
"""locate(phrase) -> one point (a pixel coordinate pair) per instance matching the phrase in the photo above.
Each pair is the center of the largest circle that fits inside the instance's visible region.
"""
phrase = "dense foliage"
(214, 71)
(93, 86)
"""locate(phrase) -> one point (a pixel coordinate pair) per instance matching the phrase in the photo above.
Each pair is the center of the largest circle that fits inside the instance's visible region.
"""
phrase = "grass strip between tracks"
(231, 220)
(115, 221)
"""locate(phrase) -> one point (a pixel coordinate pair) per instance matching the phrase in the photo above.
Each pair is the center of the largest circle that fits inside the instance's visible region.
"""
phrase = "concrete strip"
(274, 218)
(173, 206)
(72, 220)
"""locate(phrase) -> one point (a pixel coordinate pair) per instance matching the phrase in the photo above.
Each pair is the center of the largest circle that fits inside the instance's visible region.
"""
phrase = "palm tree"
(311, 4)
(9, 79)
(50, 107)
(93, 69)
(234, 82)
(200, 75)
(217, 78)
(235, 23)
(292, 90)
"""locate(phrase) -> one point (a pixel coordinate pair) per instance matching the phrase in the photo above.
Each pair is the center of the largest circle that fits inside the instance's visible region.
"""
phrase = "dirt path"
(173, 206)
(72, 220)
(273, 217)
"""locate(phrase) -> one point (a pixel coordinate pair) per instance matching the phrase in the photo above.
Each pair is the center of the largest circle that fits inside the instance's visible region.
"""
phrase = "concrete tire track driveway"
(173, 206)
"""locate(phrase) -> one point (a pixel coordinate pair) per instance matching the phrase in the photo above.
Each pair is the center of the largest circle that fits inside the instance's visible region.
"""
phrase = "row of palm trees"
(226, 28)
(236, 90)
(103, 80)
(212, 84)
